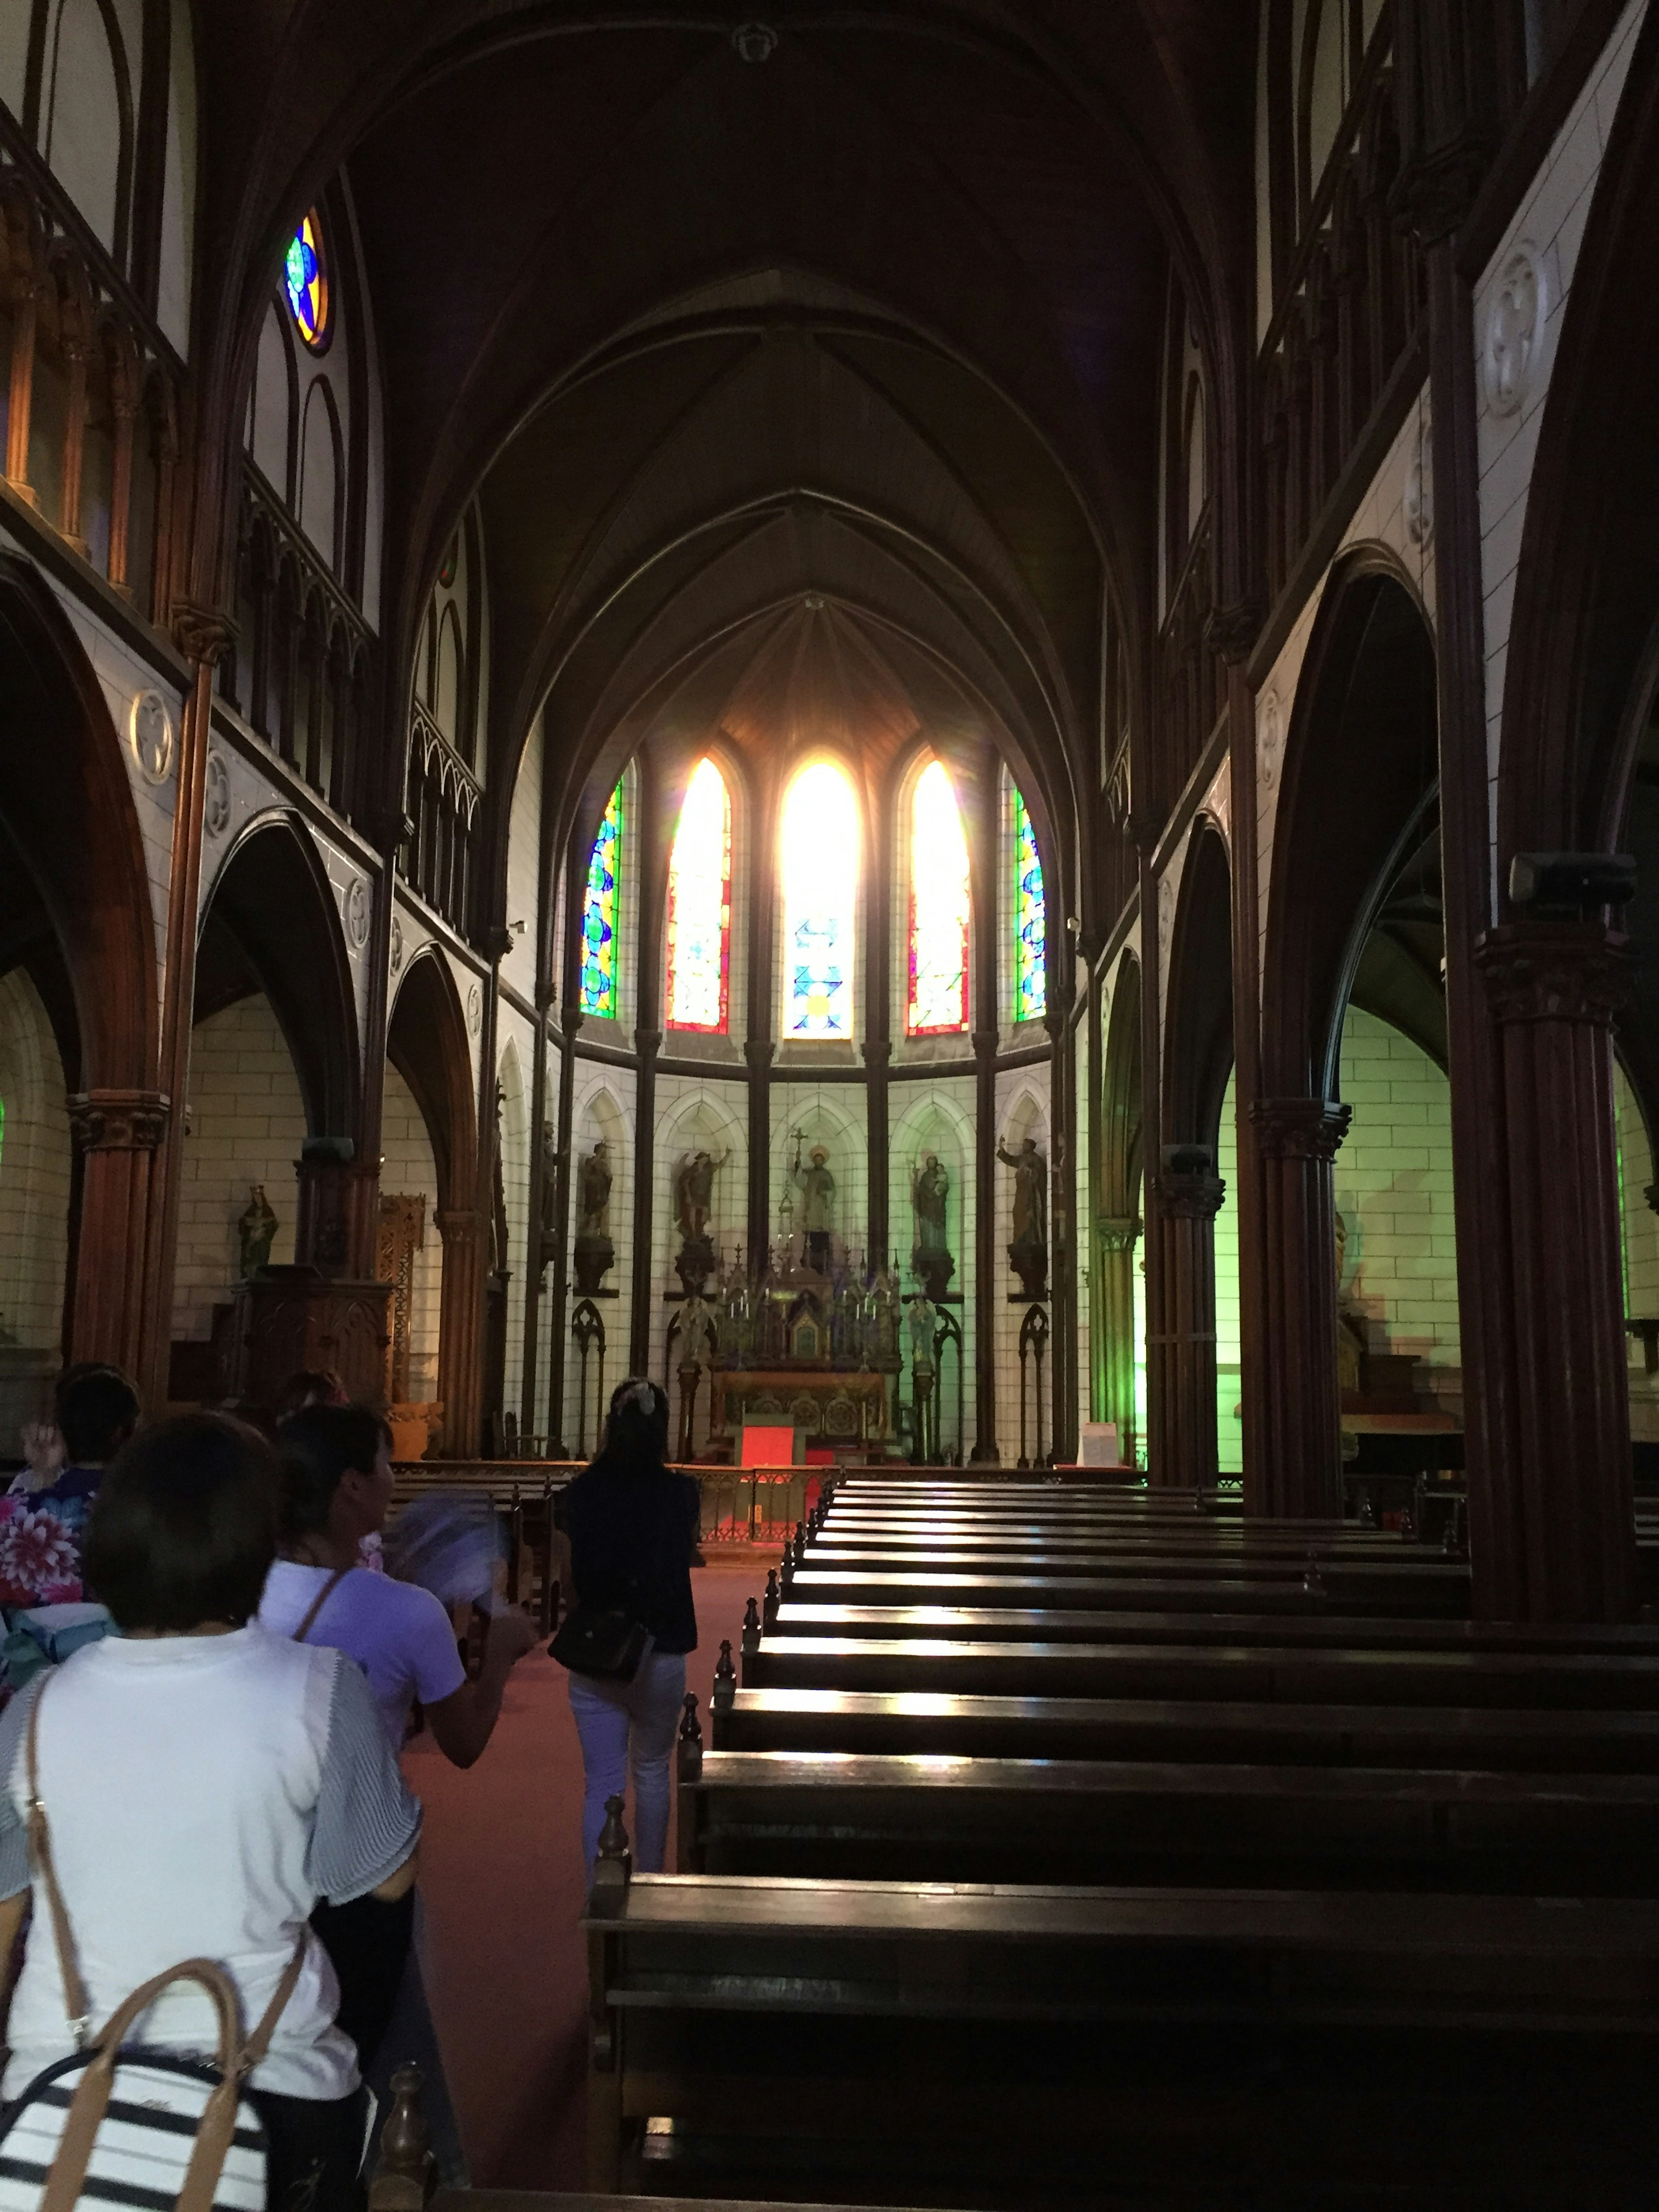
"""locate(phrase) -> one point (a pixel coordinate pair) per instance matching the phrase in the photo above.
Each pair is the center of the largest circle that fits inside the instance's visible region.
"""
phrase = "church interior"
(939, 721)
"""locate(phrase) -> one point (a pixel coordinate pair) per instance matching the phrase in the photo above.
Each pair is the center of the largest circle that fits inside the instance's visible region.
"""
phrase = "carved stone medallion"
(149, 733)
(396, 945)
(356, 913)
(215, 803)
(474, 1010)
(1515, 330)
(1270, 741)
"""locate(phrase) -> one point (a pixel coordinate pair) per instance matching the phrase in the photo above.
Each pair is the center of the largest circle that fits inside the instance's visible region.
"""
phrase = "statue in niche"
(930, 1259)
(693, 1205)
(921, 1321)
(595, 1254)
(818, 1203)
(256, 1232)
(1028, 1255)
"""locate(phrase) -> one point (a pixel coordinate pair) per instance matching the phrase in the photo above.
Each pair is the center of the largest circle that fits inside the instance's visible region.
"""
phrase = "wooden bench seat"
(1278, 1674)
(1541, 1741)
(1430, 1592)
(928, 1819)
(1294, 1617)
(1093, 2045)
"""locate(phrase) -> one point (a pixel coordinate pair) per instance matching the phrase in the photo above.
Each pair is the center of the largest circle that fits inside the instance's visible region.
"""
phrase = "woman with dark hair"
(205, 1784)
(632, 1523)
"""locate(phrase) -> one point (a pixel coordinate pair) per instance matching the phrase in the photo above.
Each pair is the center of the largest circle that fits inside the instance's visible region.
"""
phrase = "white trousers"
(629, 1724)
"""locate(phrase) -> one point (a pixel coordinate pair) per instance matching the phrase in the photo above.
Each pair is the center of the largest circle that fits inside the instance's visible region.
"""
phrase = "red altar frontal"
(842, 1409)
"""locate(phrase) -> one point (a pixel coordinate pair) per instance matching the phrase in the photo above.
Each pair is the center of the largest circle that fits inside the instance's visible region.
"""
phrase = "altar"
(838, 1409)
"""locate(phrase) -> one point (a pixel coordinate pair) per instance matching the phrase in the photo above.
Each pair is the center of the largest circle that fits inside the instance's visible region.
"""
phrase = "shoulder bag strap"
(319, 1602)
(76, 2003)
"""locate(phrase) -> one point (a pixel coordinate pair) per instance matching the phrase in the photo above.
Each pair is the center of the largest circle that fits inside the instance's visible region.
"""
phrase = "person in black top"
(632, 1523)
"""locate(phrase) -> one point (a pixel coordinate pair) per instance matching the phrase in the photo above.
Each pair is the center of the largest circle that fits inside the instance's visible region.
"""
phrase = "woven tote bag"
(118, 2125)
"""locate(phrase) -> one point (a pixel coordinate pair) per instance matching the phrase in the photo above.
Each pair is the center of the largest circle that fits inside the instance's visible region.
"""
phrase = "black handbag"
(603, 1642)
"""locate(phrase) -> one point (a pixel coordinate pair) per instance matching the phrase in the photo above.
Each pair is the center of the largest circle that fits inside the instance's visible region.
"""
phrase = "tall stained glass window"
(305, 278)
(938, 909)
(820, 901)
(700, 906)
(1030, 921)
(601, 912)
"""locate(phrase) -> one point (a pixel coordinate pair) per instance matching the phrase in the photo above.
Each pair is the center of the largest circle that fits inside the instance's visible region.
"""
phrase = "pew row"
(1029, 2045)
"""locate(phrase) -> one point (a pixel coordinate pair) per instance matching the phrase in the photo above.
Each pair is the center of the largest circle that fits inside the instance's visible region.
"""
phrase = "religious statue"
(919, 1322)
(1028, 1255)
(696, 1315)
(930, 1259)
(595, 1254)
(693, 1193)
(257, 1231)
(817, 1204)
(552, 1161)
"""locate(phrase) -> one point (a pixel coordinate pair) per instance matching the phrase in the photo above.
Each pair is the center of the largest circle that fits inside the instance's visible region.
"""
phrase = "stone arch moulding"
(1360, 757)
(427, 1043)
(69, 823)
(1198, 1041)
(273, 894)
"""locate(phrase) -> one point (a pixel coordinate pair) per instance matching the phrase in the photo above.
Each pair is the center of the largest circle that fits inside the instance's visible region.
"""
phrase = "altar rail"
(741, 1505)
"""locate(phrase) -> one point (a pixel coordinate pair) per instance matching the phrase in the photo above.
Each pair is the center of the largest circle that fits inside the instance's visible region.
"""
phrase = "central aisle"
(502, 1881)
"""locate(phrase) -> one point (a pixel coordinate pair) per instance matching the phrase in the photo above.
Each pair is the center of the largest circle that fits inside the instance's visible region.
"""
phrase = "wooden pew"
(1292, 1616)
(1434, 1591)
(1541, 1741)
(822, 1815)
(1124, 2047)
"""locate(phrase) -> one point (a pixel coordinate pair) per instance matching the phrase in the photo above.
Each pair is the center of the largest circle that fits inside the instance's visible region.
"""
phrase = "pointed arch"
(698, 966)
(938, 1002)
(819, 862)
(601, 925)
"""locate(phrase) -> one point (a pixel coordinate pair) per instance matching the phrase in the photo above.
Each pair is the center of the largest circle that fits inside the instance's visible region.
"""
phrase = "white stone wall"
(1640, 1226)
(1022, 1111)
(407, 1167)
(937, 1117)
(34, 1181)
(245, 1124)
(514, 1068)
(1394, 1190)
(602, 1105)
(1515, 354)
(524, 869)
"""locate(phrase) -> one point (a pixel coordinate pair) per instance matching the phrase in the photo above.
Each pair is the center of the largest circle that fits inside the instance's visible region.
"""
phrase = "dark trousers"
(313, 2151)
(368, 1943)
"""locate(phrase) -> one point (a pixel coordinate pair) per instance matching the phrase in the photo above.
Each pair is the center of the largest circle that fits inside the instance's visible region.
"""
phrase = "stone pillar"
(570, 1020)
(1115, 1237)
(877, 1056)
(648, 1044)
(759, 1055)
(1297, 1471)
(465, 1234)
(118, 1134)
(1180, 1335)
(1552, 1524)
(1062, 1207)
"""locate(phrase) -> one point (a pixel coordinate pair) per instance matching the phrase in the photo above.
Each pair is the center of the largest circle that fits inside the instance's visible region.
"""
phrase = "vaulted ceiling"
(874, 319)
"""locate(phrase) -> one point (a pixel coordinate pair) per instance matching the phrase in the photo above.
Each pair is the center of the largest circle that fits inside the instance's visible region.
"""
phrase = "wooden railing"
(92, 387)
(303, 671)
(443, 807)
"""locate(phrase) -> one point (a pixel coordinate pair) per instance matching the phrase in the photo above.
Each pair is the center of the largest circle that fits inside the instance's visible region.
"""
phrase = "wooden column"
(1062, 1206)
(987, 1280)
(759, 1055)
(1088, 1228)
(120, 1134)
(570, 1020)
(203, 634)
(1557, 1513)
(1115, 1238)
(465, 1234)
(760, 1049)
(25, 311)
(75, 440)
(647, 1044)
(1186, 1196)
(878, 1039)
(877, 1060)
(543, 1176)
(1299, 1464)
(1159, 1469)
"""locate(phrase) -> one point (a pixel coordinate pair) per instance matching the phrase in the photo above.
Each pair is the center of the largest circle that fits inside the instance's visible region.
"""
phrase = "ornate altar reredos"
(812, 1339)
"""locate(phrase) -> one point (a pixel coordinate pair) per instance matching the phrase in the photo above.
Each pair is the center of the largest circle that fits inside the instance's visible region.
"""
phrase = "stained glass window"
(700, 906)
(1030, 921)
(820, 898)
(601, 914)
(307, 279)
(938, 909)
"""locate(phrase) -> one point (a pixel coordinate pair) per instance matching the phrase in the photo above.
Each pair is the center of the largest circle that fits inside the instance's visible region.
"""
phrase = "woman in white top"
(205, 1782)
(336, 1490)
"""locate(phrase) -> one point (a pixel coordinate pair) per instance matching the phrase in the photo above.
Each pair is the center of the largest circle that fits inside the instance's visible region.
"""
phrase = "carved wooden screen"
(400, 1234)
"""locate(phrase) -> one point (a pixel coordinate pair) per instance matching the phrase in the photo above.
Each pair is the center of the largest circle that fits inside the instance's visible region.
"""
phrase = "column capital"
(1190, 1194)
(203, 634)
(1229, 631)
(460, 1225)
(984, 1044)
(878, 1052)
(1299, 1129)
(1117, 1232)
(1554, 971)
(496, 941)
(118, 1121)
(759, 1052)
(570, 1018)
(647, 1043)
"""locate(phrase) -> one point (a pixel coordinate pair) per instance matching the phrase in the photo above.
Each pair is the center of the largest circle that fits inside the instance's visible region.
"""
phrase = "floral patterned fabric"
(41, 1541)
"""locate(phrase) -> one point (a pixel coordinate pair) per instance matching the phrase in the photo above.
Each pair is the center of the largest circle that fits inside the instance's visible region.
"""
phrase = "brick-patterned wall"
(1394, 1189)
(35, 1194)
(245, 1125)
(1640, 1225)
(407, 1168)
(1022, 1111)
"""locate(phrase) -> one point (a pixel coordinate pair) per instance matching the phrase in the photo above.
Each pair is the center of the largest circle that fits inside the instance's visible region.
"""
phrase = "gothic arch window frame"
(600, 993)
(318, 340)
(682, 1022)
(48, 15)
(907, 894)
(807, 763)
(1020, 840)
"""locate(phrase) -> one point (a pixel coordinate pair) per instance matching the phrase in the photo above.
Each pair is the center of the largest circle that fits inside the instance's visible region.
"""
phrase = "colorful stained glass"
(938, 909)
(308, 283)
(820, 902)
(700, 906)
(601, 912)
(1030, 921)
